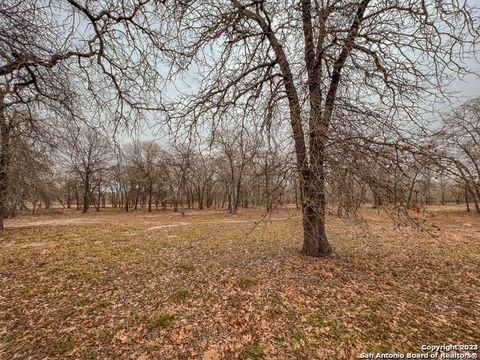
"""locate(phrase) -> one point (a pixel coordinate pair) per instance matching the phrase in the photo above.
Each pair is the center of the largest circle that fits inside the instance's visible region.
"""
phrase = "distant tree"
(88, 154)
(272, 168)
(144, 157)
(32, 177)
(238, 147)
(52, 52)
(459, 140)
(179, 162)
(204, 177)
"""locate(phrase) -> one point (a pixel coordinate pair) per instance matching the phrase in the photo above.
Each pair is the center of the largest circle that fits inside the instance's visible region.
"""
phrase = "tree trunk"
(476, 198)
(315, 242)
(137, 194)
(200, 195)
(225, 194)
(182, 197)
(99, 198)
(4, 160)
(268, 193)
(157, 200)
(230, 208)
(466, 198)
(69, 199)
(86, 193)
(77, 200)
(477, 205)
(297, 200)
(13, 210)
(442, 190)
(410, 192)
(61, 202)
(175, 203)
(127, 200)
(237, 195)
(209, 197)
(150, 195)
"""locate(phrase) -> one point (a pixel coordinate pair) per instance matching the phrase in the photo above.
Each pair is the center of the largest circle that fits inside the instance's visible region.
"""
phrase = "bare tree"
(238, 147)
(104, 48)
(87, 153)
(459, 140)
(144, 157)
(204, 178)
(323, 63)
(32, 177)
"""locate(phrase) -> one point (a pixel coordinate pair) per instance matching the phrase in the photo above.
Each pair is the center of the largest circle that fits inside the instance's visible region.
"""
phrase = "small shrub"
(276, 298)
(88, 355)
(275, 312)
(161, 320)
(180, 295)
(321, 322)
(102, 304)
(278, 338)
(186, 267)
(338, 326)
(61, 347)
(252, 352)
(246, 281)
(298, 335)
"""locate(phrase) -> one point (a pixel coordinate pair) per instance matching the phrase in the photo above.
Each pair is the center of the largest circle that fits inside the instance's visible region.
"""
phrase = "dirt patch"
(168, 226)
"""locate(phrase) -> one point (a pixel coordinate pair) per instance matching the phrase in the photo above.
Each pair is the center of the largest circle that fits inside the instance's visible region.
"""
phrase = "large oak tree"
(339, 72)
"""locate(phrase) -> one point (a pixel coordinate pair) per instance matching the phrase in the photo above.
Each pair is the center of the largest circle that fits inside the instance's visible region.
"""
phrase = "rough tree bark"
(150, 196)
(86, 193)
(4, 159)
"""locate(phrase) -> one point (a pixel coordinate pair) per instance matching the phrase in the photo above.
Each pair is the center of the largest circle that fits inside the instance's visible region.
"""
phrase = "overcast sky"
(470, 87)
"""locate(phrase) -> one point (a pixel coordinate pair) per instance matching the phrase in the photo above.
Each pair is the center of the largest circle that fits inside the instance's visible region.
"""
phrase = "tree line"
(237, 169)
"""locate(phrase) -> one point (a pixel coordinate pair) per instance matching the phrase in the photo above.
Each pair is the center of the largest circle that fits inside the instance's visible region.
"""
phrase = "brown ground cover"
(111, 285)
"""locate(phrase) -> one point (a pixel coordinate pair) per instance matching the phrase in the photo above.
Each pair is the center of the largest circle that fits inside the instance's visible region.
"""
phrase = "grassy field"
(207, 285)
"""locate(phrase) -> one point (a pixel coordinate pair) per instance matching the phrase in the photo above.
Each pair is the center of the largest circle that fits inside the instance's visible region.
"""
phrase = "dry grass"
(112, 285)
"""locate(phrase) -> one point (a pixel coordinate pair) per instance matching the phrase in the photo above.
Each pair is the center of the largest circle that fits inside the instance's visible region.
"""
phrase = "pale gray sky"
(470, 86)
